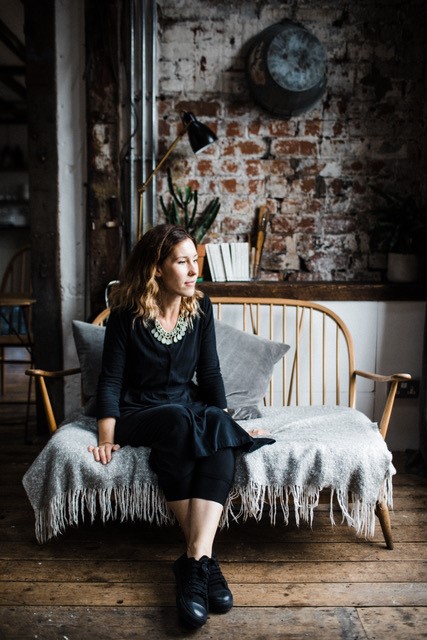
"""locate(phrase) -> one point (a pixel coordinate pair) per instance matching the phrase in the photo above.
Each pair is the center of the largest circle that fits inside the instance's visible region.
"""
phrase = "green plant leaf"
(182, 209)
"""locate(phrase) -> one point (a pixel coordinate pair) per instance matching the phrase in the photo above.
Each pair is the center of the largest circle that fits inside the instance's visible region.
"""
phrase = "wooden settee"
(308, 392)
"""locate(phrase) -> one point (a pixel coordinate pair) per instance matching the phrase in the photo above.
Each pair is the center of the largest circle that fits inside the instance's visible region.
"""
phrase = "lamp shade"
(199, 135)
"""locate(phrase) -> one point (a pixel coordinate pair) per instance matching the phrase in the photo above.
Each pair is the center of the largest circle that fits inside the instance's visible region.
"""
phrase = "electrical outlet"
(409, 389)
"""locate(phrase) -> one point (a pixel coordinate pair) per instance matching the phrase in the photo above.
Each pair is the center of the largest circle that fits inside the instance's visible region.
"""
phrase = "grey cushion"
(89, 341)
(246, 361)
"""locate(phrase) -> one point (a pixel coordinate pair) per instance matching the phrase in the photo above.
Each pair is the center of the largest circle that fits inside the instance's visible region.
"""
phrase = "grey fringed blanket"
(316, 447)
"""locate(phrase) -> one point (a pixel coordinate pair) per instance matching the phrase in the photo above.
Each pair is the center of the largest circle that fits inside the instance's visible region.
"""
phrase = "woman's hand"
(103, 452)
(258, 432)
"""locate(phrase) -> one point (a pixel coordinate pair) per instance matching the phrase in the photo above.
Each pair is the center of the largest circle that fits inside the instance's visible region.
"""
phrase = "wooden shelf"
(318, 290)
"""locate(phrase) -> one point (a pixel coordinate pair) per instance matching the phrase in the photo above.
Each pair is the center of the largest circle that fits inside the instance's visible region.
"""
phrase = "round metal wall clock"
(286, 69)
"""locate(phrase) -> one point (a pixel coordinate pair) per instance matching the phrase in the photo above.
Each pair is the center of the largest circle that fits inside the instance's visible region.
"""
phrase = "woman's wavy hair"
(139, 289)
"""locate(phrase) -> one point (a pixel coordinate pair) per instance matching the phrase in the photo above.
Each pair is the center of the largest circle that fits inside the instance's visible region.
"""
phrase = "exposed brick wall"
(313, 171)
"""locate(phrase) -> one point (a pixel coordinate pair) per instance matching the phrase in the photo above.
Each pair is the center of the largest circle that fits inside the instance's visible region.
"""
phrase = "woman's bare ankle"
(198, 551)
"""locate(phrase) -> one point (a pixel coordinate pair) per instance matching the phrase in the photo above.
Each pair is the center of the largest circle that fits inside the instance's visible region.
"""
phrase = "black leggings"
(209, 478)
(181, 476)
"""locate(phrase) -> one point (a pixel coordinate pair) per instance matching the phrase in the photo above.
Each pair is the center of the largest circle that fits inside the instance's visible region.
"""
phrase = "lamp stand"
(143, 187)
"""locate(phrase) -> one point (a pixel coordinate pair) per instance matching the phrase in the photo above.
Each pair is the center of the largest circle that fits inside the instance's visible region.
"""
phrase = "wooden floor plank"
(245, 551)
(244, 572)
(158, 623)
(407, 526)
(10, 533)
(396, 623)
(343, 594)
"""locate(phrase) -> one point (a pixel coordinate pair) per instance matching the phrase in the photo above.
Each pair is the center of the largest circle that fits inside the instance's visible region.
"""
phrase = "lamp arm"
(143, 187)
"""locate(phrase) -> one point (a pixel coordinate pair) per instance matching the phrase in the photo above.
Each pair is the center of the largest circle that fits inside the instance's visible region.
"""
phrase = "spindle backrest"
(318, 368)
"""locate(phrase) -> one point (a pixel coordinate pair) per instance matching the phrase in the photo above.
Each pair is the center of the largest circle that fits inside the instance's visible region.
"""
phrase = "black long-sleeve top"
(139, 373)
(137, 367)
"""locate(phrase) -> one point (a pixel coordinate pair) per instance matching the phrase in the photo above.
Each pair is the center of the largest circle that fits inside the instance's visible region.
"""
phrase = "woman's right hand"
(103, 452)
(256, 433)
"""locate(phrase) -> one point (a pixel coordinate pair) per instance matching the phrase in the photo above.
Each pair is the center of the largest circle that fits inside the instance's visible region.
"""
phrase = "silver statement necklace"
(168, 337)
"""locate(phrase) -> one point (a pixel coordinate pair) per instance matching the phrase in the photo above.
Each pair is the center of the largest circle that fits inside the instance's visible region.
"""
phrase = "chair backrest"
(17, 275)
(317, 369)
(14, 323)
(101, 318)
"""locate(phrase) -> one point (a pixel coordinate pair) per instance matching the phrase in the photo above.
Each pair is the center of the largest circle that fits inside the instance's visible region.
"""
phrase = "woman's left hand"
(103, 452)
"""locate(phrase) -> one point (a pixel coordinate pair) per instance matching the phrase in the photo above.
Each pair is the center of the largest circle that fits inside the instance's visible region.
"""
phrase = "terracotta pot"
(201, 253)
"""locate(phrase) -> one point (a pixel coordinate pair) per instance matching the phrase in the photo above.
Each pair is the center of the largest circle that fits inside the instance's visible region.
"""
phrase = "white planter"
(402, 267)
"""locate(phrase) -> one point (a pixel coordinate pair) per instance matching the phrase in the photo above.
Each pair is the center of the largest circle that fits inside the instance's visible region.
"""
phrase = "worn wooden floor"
(115, 582)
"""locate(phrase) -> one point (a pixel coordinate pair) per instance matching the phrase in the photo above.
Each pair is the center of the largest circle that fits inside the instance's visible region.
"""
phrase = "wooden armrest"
(41, 373)
(400, 377)
(395, 379)
(40, 376)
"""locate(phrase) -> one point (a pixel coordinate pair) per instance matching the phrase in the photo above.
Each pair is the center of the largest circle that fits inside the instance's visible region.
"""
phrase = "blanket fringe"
(357, 512)
(70, 508)
(147, 503)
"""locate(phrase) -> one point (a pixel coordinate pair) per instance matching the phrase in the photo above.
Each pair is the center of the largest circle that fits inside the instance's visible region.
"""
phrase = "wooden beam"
(43, 178)
(103, 147)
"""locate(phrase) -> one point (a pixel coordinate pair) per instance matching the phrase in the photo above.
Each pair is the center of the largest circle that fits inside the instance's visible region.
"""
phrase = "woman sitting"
(159, 334)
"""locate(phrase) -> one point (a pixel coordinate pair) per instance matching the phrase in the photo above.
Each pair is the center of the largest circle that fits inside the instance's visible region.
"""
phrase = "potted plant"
(400, 229)
(182, 209)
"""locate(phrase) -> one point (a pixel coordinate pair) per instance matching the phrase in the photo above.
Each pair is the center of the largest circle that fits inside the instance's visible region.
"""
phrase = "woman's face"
(179, 271)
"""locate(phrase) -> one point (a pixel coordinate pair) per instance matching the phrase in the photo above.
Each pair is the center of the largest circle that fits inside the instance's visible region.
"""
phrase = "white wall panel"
(388, 338)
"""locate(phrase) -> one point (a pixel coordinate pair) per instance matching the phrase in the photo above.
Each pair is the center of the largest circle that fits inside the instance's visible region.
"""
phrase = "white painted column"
(70, 63)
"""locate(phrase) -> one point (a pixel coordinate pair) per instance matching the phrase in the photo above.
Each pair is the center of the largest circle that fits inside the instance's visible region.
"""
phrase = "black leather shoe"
(192, 589)
(220, 597)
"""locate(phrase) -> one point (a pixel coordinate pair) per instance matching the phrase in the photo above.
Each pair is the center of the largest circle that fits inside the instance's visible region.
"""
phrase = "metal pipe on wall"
(141, 52)
(133, 121)
(148, 108)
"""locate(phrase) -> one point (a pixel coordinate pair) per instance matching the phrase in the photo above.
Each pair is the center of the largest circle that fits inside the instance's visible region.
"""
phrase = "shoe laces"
(215, 574)
(198, 575)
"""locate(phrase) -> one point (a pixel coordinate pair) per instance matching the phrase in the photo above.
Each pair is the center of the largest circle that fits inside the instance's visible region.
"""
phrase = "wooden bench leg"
(384, 517)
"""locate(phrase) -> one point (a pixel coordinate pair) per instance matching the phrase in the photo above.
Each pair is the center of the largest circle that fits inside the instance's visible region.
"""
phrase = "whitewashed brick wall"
(314, 171)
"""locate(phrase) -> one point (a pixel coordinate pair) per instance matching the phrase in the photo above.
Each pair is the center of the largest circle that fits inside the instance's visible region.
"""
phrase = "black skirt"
(171, 422)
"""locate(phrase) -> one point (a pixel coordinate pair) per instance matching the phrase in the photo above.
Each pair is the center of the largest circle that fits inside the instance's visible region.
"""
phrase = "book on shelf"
(228, 261)
(216, 265)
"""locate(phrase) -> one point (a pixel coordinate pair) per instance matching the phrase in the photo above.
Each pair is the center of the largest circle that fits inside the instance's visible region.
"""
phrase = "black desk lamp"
(200, 137)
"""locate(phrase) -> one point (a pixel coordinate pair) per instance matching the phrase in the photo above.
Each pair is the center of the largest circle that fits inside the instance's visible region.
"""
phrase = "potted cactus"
(182, 209)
